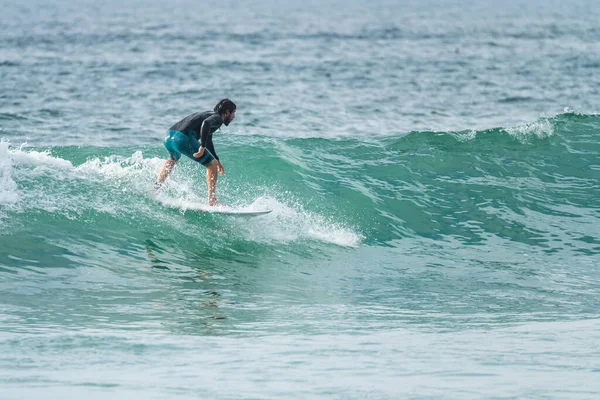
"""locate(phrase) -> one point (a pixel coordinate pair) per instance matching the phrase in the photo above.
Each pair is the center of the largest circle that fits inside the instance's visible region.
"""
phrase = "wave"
(536, 184)
(114, 190)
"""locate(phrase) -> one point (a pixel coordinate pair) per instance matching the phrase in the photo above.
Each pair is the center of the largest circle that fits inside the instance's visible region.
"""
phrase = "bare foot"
(214, 202)
(155, 188)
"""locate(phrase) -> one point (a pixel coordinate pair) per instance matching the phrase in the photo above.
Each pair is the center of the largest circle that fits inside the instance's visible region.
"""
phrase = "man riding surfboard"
(192, 136)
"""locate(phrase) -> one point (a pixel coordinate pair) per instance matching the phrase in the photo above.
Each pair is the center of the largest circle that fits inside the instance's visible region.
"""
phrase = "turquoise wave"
(536, 184)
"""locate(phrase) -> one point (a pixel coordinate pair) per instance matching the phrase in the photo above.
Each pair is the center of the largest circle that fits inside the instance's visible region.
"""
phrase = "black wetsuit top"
(200, 126)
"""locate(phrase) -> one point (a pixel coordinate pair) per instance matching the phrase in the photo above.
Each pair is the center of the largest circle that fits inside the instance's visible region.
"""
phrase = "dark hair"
(225, 105)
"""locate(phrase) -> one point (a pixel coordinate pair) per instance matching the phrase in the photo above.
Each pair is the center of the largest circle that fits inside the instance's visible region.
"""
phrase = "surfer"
(192, 136)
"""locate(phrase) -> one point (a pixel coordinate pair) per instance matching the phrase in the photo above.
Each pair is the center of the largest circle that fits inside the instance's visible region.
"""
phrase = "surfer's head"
(226, 108)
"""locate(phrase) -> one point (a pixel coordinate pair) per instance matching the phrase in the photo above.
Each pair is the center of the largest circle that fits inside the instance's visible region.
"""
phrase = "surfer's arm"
(209, 146)
(200, 151)
(204, 136)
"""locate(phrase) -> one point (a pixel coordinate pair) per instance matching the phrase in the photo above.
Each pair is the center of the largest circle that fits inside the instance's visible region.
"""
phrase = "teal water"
(433, 174)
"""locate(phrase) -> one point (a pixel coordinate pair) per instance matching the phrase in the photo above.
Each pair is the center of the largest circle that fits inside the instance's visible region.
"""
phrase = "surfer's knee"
(212, 167)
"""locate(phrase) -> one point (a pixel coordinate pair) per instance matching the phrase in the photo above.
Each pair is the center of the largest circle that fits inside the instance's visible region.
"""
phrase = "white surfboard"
(194, 207)
(232, 211)
(224, 210)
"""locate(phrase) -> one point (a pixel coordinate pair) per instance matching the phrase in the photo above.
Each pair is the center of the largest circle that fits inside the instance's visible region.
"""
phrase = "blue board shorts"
(178, 143)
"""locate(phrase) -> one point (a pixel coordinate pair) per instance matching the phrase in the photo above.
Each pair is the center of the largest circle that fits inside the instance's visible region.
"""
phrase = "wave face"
(534, 185)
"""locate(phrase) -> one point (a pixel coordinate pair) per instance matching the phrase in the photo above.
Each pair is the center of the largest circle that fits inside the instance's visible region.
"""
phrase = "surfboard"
(225, 210)
(194, 207)
(233, 211)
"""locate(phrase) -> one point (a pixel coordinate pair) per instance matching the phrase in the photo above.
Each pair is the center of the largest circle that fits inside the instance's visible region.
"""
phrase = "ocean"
(433, 169)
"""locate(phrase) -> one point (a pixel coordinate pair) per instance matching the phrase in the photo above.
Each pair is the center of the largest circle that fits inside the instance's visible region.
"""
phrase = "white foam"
(466, 136)
(290, 223)
(541, 129)
(8, 188)
(182, 203)
(118, 166)
(132, 173)
(285, 224)
(28, 165)
(39, 158)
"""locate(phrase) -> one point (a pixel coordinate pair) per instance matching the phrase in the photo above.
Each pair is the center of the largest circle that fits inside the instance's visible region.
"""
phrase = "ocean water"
(433, 169)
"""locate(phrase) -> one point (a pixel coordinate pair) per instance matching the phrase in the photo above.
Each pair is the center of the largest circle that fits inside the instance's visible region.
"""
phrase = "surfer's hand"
(199, 153)
(220, 168)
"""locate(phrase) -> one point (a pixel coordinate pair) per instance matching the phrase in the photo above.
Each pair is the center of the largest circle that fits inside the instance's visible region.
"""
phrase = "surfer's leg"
(209, 161)
(165, 171)
(174, 155)
(211, 182)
